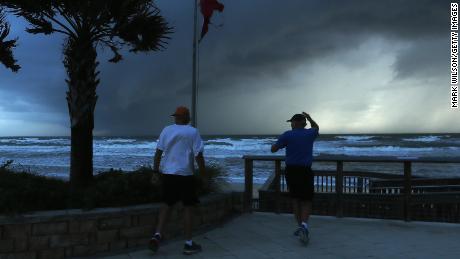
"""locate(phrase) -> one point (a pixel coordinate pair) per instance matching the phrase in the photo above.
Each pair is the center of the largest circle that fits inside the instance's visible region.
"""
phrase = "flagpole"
(194, 77)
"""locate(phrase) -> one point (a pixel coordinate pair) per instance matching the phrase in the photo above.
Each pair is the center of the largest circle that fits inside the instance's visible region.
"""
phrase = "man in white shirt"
(179, 144)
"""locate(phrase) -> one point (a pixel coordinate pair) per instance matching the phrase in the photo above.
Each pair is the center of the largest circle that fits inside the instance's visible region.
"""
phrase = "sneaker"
(297, 232)
(192, 249)
(304, 235)
(154, 243)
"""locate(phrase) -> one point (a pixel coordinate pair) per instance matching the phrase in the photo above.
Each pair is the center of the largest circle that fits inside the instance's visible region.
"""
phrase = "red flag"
(207, 8)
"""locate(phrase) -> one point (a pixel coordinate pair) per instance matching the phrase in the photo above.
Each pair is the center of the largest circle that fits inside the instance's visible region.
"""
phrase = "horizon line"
(252, 134)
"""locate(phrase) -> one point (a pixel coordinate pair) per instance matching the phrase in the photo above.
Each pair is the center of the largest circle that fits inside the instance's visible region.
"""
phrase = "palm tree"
(87, 26)
(6, 46)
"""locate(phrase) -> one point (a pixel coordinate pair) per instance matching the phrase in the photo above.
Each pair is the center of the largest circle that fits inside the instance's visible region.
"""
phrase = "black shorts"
(178, 188)
(299, 180)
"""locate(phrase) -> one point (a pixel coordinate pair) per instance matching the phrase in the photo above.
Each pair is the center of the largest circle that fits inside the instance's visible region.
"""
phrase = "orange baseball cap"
(181, 111)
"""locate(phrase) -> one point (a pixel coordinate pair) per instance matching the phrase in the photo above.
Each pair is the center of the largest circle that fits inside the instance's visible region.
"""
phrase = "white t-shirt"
(180, 145)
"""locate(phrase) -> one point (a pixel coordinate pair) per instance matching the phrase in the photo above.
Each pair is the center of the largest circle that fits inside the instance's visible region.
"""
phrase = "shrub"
(26, 191)
(23, 191)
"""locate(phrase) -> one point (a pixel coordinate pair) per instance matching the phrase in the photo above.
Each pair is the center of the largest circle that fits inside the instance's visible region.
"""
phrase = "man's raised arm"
(312, 122)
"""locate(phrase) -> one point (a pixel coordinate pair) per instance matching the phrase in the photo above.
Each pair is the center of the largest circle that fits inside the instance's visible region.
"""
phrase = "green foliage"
(211, 181)
(117, 188)
(7, 46)
(115, 24)
(25, 191)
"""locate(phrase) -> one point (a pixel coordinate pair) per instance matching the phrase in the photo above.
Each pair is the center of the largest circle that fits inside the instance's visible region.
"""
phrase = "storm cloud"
(356, 66)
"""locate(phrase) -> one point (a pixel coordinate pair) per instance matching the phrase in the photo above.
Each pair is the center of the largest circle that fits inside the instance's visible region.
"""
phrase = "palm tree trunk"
(80, 63)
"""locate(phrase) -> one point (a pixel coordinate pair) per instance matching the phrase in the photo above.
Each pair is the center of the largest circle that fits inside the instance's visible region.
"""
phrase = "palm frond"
(7, 46)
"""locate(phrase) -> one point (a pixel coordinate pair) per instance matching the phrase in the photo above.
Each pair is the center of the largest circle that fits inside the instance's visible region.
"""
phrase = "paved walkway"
(268, 235)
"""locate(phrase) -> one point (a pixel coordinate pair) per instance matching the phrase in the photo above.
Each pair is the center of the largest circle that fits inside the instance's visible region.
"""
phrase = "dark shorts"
(177, 188)
(299, 180)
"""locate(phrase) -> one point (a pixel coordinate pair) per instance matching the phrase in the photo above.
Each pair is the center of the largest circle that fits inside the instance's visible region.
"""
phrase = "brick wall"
(72, 233)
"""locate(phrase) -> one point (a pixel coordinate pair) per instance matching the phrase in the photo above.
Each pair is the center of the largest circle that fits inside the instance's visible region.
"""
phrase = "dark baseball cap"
(297, 117)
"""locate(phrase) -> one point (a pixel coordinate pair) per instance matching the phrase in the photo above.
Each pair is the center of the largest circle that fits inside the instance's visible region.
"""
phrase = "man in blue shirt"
(299, 176)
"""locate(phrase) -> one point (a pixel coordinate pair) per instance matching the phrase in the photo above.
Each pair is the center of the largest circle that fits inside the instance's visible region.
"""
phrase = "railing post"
(407, 190)
(339, 189)
(248, 168)
(360, 185)
(278, 185)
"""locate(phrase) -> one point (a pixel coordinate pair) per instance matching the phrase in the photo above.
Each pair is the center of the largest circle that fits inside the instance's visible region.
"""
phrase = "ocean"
(50, 155)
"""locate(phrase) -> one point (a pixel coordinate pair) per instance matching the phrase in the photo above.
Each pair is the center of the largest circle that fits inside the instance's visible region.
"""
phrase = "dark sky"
(356, 66)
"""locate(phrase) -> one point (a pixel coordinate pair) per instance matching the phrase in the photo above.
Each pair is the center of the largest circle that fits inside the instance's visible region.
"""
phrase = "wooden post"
(248, 168)
(407, 189)
(278, 185)
(339, 189)
(360, 184)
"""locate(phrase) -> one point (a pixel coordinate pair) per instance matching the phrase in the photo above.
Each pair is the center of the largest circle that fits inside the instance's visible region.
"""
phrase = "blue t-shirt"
(299, 146)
